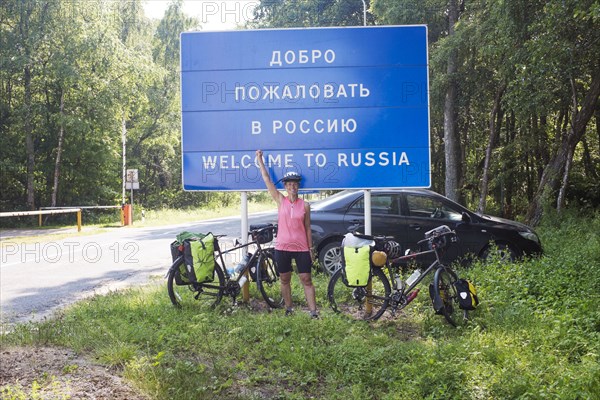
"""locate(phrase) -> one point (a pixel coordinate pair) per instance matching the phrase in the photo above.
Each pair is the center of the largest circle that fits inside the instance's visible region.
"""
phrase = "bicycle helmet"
(392, 248)
(291, 177)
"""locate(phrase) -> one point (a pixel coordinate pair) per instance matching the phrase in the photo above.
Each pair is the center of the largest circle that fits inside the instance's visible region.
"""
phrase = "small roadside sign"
(131, 176)
(132, 185)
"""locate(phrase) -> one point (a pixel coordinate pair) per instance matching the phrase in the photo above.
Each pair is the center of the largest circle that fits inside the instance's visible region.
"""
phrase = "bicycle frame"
(231, 286)
(253, 259)
(434, 265)
(401, 302)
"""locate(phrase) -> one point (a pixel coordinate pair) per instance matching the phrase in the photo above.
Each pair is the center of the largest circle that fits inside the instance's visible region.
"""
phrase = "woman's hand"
(267, 178)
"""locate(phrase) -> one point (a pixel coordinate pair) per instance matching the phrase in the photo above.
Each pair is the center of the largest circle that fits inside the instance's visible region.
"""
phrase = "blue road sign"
(344, 107)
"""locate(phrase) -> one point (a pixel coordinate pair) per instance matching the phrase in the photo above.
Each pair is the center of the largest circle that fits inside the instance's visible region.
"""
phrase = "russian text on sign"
(254, 92)
(303, 57)
(304, 126)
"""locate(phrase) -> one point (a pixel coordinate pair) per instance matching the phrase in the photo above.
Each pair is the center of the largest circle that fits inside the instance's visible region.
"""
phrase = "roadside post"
(131, 183)
(52, 211)
(244, 222)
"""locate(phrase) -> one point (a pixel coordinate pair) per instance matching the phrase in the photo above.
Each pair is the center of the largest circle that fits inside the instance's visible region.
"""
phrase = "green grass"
(535, 335)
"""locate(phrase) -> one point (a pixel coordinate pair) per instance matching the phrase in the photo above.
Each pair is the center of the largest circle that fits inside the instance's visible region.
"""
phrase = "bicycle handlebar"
(434, 247)
(436, 236)
(263, 229)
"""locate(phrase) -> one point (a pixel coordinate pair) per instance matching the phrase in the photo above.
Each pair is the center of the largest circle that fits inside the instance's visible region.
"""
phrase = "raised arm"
(267, 178)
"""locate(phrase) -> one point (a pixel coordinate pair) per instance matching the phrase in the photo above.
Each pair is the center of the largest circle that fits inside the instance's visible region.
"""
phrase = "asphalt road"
(38, 277)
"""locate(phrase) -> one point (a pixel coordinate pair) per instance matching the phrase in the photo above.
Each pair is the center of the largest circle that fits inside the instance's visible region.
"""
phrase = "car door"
(423, 212)
(385, 214)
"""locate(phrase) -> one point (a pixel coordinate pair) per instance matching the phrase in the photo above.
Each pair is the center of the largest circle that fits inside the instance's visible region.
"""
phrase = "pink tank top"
(291, 233)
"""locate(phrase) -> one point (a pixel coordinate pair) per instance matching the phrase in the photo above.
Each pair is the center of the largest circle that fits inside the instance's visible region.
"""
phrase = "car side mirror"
(466, 217)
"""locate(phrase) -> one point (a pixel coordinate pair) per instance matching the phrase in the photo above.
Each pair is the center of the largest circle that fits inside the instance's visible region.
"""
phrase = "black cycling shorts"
(284, 261)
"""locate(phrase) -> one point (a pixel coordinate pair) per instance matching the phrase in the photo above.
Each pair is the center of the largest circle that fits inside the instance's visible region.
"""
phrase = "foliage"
(532, 54)
(99, 59)
(534, 335)
(308, 13)
(48, 388)
(72, 75)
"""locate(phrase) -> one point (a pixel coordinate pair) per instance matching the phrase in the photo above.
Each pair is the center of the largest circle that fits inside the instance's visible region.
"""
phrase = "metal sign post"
(244, 227)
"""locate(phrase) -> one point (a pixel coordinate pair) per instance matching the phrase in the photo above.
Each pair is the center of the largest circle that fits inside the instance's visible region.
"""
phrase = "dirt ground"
(55, 373)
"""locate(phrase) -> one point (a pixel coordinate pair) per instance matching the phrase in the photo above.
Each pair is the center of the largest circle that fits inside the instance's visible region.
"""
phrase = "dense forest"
(514, 92)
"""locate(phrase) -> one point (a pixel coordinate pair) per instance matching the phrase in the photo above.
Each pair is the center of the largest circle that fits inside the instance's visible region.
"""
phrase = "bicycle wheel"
(365, 303)
(207, 294)
(443, 286)
(267, 280)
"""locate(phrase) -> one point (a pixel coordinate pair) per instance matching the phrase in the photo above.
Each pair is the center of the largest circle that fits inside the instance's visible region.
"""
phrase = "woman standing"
(294, 239)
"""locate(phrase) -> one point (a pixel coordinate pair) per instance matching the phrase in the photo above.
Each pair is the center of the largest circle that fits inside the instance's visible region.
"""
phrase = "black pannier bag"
(467, 294)
(181, 278)
(438, 304)
(265, 236)
(253, 270)
(176, 250)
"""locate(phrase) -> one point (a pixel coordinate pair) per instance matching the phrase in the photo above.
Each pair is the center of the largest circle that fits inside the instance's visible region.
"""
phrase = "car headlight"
(530, 236)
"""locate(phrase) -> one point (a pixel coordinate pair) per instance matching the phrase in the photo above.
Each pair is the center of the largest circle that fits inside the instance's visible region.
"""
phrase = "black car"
(406, 214)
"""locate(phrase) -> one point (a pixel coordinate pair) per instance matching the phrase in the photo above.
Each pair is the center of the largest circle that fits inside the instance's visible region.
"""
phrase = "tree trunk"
(559, 162)
(494, 125)
(29, 145)
(507, 208)
(560, 202)
(542, 150)
(58, 150)
(598, 124)
(25, 11)
(451, 137)
(588, 163)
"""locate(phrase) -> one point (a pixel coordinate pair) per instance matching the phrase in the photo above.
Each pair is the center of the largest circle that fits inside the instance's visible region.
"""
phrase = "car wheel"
(330, 257)
(500, 251)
